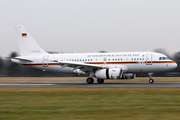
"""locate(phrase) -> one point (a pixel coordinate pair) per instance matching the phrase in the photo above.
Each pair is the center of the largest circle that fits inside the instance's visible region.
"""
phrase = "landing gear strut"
(90, 80)
(150, 78)
(100, 80)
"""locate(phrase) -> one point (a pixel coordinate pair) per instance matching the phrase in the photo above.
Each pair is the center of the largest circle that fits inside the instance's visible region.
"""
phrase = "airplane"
(102, 66)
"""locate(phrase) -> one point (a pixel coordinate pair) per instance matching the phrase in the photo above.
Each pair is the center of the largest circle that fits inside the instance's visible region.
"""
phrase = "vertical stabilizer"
(27, 45)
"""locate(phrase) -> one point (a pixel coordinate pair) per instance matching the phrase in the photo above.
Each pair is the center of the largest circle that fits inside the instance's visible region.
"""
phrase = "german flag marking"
(24, 34)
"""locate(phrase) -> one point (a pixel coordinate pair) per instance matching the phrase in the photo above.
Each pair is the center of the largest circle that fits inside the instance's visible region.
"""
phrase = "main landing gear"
(100, 80)
(91, 80)
(150, 78)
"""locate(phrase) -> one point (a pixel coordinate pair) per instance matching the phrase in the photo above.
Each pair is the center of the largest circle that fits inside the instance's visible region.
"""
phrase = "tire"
(151, 81)
(90, 80)
(100, 80)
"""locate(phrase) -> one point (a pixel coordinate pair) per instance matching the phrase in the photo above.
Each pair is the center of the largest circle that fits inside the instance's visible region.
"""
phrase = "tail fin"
(27, 45)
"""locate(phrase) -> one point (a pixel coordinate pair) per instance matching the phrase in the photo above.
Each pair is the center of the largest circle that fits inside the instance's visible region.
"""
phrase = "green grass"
(89, 103)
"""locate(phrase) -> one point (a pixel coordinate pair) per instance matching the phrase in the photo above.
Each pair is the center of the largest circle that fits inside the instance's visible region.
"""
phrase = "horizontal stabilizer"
(23, 59)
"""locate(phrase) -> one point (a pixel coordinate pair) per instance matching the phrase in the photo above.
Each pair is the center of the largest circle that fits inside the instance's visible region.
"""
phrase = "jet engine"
(112, 73)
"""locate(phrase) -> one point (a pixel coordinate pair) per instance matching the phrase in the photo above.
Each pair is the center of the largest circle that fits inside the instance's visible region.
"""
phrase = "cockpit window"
(163, 58)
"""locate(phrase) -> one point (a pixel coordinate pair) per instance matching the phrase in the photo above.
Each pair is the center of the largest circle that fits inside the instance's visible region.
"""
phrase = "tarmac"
(105, 85)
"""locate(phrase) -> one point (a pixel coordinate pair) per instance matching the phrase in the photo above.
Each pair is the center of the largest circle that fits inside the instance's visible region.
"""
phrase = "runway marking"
(28, 84)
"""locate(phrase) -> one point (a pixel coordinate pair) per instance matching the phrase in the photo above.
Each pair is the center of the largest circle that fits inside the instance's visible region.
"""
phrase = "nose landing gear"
(151, 81)
(150, 78)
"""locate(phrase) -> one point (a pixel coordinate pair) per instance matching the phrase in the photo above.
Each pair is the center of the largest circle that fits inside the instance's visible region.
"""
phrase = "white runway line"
(6, 84)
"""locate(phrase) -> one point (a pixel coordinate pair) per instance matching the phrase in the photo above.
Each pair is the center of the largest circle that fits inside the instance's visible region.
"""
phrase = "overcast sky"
(92, 25)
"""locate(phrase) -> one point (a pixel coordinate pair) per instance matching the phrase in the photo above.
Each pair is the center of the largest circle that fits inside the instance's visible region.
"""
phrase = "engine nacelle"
(129, 75)
(112, 73)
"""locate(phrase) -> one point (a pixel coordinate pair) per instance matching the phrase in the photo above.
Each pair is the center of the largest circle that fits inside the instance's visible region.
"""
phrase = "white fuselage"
(130, 62)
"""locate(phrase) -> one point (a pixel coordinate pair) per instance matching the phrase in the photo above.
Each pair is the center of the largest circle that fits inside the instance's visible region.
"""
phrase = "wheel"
(100, 80)
(90, 80)
(151, 81)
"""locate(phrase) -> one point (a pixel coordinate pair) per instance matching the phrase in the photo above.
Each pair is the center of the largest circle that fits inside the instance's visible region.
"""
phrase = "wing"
(82, 66)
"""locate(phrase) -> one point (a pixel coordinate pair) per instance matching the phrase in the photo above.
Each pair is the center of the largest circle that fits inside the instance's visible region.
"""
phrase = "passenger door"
(45, 61)
(149, 59)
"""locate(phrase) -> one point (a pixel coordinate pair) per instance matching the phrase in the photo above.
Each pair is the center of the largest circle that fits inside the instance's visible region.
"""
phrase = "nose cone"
(174, 65)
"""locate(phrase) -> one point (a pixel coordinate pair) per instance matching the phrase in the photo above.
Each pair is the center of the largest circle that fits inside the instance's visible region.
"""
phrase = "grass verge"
(89, 103)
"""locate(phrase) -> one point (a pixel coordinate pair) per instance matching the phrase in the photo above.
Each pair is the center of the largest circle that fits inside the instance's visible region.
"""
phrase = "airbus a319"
(112, 65)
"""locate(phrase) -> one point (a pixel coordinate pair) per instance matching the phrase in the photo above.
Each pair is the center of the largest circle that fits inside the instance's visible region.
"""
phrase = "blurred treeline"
(9, 69)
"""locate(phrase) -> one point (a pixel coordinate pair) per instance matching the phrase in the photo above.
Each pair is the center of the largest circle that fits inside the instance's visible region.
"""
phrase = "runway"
(106, 85)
